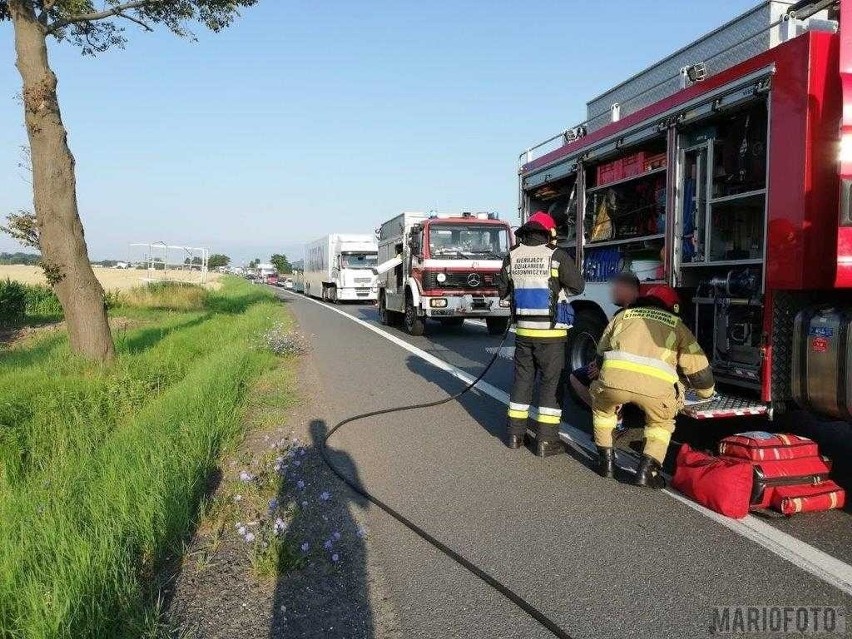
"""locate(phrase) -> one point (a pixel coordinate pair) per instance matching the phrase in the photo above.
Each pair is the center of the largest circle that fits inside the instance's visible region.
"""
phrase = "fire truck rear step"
(727, 406)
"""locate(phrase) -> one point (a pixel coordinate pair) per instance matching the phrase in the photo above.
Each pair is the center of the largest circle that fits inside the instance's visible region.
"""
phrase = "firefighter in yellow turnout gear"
(539, 277)
(643, 354)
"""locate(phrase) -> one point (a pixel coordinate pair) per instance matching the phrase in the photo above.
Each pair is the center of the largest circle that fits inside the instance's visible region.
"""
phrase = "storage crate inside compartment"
(602, 264)
(655, 161)
(634, 164)
(610, 172)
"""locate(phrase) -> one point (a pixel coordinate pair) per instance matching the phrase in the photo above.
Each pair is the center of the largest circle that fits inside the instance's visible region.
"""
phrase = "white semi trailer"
(339, 268)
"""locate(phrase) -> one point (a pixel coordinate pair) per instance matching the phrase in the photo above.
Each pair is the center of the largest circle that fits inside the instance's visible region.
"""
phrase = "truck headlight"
(505, 303)
(441, 277)
(438, 302)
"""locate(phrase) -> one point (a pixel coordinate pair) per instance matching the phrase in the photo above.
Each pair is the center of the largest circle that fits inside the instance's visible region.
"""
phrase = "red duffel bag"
(762, 446)
(812, 498)
(722, 485)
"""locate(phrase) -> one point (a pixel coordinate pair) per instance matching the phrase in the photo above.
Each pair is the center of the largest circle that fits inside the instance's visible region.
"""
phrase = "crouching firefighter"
(642, 355)
(538, 277)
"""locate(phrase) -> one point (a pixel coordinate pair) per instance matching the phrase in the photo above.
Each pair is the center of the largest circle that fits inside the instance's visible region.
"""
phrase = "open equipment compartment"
(720, 222)
(625, 213)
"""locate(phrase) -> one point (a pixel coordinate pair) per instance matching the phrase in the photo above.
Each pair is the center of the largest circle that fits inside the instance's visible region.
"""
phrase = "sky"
(306, 118)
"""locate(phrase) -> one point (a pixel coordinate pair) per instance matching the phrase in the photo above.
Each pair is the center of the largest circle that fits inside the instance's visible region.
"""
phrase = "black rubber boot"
(606, 462)
(514, 441)
(648, 475)
(543, 441)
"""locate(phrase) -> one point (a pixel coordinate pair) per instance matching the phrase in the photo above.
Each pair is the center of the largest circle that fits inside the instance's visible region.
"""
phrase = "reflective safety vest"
(534, 273)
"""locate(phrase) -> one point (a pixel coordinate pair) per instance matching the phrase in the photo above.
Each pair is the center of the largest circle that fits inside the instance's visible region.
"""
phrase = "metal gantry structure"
(170, 262)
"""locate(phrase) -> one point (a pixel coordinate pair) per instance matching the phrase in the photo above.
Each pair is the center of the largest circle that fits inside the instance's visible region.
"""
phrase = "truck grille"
(462, 280)
(363, 280)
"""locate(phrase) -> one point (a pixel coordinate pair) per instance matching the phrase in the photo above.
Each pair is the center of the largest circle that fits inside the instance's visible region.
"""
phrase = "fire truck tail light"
(438, 302)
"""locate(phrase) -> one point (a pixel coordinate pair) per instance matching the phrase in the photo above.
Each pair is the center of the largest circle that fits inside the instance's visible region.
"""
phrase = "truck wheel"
(386, 317)
(384, 314)
(497, 325)
(582, 343)
(414, 324)
(332, 295)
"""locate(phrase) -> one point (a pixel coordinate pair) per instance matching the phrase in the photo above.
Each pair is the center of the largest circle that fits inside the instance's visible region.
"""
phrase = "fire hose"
(504, 590)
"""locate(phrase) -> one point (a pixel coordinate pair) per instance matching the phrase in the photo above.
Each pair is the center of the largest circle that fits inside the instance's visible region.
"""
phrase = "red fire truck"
(725, 170)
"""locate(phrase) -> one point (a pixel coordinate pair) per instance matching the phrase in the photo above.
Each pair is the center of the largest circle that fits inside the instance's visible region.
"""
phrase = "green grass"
(103, 470)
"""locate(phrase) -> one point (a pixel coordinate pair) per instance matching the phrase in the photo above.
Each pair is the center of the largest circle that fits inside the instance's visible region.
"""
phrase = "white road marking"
(820, 564)
(506, 352)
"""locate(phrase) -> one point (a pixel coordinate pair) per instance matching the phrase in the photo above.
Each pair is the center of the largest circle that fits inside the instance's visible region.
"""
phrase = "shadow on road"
(330, 595)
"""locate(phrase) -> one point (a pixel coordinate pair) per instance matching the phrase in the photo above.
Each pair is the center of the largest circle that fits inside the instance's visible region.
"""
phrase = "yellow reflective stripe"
(518, 414)
(604, 421)
(642, 369)
(658, 433)
(694, 348)
(541, 332)
(547, 419)
(554, 272)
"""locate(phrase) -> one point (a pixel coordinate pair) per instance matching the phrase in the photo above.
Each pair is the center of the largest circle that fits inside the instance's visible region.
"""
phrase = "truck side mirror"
(414, 240)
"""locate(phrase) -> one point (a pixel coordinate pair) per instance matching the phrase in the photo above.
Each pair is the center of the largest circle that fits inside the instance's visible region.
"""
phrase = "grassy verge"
(102, 471)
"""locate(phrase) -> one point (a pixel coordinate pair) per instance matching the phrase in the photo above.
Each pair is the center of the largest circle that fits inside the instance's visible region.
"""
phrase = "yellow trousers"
(660, 413)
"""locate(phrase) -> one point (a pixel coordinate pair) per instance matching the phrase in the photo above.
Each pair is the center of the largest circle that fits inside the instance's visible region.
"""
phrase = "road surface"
(599, 558)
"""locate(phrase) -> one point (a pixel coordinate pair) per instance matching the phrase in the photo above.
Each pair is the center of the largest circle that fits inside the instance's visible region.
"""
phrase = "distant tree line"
(30, 259)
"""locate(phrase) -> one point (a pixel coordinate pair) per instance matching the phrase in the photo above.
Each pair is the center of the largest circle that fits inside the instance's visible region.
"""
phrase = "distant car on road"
(272, 279)
(289, 284)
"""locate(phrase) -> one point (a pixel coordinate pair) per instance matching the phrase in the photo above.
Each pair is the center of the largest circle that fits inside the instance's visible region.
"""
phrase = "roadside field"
(111, 279)
(103, 470)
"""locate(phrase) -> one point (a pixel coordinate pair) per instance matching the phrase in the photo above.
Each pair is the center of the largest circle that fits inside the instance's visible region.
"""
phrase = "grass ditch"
(103, 471)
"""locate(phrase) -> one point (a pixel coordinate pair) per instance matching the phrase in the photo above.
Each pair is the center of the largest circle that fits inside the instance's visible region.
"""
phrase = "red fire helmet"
(542, 219)
(667, 295)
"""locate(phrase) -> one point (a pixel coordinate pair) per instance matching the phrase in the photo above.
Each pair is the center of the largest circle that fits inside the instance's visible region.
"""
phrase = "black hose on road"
(504, 590)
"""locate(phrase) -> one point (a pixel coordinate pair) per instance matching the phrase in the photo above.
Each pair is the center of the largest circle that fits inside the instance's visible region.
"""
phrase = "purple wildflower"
(361, 532)
(300, 484)
(249, 537)
(325, 496)
(273, 504)
(335, 534)
(335, 557)
(246, 476)
(328, 544)
(306, 547)
(279, 526)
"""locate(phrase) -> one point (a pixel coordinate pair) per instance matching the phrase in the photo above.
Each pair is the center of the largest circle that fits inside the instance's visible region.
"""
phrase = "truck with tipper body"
(442, 267)
(339, 268)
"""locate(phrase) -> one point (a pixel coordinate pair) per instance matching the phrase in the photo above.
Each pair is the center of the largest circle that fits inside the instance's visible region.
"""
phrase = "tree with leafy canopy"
(217, 260)
(281, 264)
(92, 26)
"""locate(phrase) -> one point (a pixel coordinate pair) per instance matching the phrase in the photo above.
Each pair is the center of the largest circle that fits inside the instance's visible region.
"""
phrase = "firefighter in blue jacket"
(539, 277)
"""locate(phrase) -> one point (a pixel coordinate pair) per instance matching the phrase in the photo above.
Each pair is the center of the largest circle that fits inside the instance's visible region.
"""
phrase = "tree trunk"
(63, 247)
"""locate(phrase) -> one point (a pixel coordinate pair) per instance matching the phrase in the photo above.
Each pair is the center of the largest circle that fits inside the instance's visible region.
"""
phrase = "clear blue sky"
(307, 117)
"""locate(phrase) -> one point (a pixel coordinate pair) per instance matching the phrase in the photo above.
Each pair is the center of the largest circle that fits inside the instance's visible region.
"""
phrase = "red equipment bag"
(722, 485)
(759, 446)
(802, 499)
(770, 475)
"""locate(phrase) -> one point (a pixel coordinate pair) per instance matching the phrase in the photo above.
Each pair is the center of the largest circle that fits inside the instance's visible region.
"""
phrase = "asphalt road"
(600, 558)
